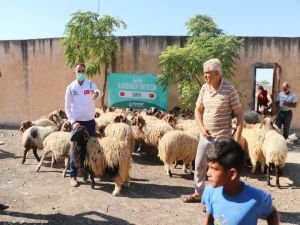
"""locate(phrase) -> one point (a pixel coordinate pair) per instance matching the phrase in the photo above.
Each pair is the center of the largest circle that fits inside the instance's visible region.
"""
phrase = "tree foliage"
(90, 40)
(184, 66)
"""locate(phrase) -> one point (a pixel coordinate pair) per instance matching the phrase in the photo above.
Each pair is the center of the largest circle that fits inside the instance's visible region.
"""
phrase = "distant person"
(213, 112)
(286, 100)
(228, 200)
(264, 101)
(80, 108)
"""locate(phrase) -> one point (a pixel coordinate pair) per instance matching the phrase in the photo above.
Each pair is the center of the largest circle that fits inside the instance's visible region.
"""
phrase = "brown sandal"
(190, 199)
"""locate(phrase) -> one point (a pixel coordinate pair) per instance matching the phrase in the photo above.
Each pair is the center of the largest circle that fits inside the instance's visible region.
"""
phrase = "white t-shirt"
(79, 104)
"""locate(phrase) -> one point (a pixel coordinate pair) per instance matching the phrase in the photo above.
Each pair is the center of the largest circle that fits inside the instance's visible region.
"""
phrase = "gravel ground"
(153, 198)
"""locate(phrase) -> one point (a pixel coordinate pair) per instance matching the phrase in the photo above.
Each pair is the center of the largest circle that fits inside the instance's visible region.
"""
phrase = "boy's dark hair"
(228, 153)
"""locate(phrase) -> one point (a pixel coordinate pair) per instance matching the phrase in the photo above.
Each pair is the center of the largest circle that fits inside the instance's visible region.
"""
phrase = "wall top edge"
(156, 36)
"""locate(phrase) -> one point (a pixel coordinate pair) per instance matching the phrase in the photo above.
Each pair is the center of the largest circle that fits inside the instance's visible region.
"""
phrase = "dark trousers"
(91, 127)
(284, 118)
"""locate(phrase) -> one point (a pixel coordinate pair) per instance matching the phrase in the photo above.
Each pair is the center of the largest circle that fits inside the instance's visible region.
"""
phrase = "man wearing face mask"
(80, 109)
(286, 100)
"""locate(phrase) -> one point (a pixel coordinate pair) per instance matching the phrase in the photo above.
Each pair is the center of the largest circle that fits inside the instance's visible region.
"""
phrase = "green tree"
(184, 66)
(90, 40)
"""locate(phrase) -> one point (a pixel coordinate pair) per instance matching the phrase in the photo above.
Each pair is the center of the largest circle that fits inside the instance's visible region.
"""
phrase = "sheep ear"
(51, 117)
(140, 122)
(117, 119)
(54, 117)
(97, 114)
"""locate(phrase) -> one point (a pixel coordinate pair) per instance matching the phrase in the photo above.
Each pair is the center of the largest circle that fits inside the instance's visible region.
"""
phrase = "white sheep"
(254, 136)
(54, 118)
(107, 155)
(274, 148)
(58, 143)
(177, 145)
(122, 132)
(149, 133)
(33, 139)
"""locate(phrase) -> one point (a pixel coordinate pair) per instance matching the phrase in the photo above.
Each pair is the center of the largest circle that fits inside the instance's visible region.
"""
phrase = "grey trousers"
(201, 164)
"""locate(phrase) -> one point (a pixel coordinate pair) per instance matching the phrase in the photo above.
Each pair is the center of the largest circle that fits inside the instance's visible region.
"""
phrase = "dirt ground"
(152, 198)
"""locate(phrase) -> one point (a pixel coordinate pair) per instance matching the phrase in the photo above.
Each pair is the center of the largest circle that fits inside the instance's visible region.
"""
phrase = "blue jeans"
(91, 127)
(284, 118)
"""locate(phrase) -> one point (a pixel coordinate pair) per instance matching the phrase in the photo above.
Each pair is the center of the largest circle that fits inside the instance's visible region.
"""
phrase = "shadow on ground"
(290, 217)
(61, 219)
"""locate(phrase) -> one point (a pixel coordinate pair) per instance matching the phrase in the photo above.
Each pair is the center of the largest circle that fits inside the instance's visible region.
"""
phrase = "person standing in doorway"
(80, 109)
(264, 101)
(286, 100)
(216, 101)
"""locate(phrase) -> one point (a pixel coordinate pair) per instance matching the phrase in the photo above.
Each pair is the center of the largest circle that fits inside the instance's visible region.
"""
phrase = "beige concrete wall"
(34, 74)
(267, 51)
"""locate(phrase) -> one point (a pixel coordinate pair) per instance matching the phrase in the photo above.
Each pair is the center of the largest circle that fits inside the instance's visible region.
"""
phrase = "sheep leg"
(92, 179)
(35, 154)
(118, 186)
(175, 164)
(268, 175)
(277, 176)
(85, 174)
(253, 167)
(184, 167)
(24, 156)
(66, 166)
(41, 161)
(191, 167)
(169, 171)
(53, 161)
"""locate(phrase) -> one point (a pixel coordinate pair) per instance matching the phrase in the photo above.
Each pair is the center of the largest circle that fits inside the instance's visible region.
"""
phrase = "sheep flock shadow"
(61, 219)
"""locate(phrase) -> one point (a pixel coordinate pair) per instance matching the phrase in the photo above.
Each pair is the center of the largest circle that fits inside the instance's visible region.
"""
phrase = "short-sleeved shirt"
(218, 106)
(244, 208)
(282, 97)
(79, 103)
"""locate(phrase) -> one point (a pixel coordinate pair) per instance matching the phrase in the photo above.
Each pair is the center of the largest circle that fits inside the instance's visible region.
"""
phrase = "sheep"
(150, 133)
(54, 118)
(254, 137)
(33, 139)
(122, 132)
(107, 118)
(107, 155)
(58, 143)
(185, 124)
(274, 148)
(66, 126)
(177, 145)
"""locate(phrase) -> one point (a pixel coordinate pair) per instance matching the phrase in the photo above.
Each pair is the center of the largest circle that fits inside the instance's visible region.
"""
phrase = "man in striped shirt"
(216, 101)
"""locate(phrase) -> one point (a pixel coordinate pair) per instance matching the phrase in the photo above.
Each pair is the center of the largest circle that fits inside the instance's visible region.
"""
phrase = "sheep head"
(138, 121)
(120, 119)
(268, 123)
(80, 139)
(25, 125)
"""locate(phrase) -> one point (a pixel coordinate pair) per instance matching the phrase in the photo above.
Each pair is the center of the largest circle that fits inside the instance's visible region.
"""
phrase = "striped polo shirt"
(218, 106)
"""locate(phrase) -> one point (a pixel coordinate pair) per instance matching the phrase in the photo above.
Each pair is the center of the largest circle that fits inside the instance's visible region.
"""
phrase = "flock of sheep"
(174, 136)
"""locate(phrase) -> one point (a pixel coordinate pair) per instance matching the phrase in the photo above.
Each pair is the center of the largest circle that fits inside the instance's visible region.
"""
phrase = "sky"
(32, 19)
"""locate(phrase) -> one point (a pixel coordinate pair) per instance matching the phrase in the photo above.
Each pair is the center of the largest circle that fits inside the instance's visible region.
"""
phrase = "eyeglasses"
(80, 71)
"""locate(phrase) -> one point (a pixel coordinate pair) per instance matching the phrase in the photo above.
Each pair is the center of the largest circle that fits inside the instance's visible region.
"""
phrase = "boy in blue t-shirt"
(228, 200)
